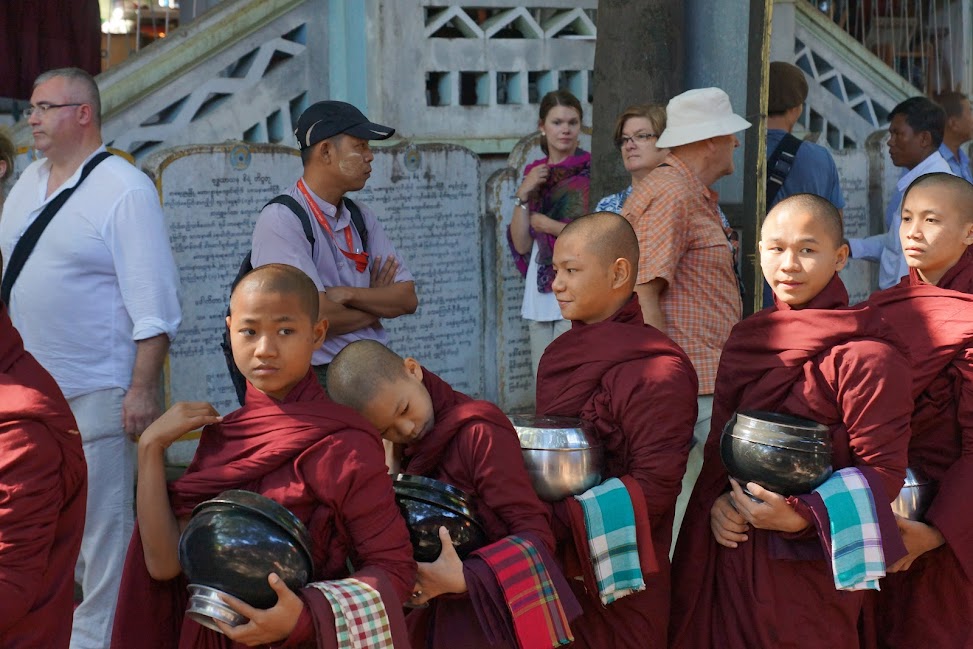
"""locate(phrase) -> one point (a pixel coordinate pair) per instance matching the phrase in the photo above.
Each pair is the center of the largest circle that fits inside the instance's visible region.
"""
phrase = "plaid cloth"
(610, 523)
(359, 614)
(538, 617)
(857, 558)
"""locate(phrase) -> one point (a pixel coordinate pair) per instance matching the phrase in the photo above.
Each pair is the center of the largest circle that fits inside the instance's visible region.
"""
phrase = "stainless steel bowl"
(916, 495)
(561, 455)
(232, 543)
(426, 505)
(785, 454)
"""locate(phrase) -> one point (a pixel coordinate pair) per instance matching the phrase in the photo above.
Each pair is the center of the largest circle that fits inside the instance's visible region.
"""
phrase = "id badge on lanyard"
(360, 257)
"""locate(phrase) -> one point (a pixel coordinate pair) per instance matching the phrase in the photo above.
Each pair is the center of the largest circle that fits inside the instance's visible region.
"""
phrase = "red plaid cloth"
(359, 614)
(538, 617)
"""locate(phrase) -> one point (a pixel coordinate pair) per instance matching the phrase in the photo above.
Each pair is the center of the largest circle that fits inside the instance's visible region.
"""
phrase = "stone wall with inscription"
(427, 198)
(860, 276)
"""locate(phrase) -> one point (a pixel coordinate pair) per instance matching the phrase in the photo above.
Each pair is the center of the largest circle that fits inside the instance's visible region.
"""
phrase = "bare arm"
(158, 526)
(520, 230)
(141, 404)
(342, 319)
(649, 297)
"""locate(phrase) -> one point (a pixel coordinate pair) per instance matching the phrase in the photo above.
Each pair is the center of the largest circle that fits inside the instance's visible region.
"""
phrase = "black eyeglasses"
(43, 107)
(638, 138)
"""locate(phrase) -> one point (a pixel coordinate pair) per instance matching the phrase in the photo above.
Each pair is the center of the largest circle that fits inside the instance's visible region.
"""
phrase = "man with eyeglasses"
(96, 303)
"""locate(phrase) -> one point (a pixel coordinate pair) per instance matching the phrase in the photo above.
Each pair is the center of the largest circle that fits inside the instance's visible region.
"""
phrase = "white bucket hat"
(697, 115)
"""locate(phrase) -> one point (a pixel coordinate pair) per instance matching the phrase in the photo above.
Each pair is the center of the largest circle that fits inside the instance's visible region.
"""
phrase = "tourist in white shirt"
(915, 133)
(97, 304)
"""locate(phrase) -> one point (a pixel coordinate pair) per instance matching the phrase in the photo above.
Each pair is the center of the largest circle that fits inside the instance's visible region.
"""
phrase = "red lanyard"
(360, 258)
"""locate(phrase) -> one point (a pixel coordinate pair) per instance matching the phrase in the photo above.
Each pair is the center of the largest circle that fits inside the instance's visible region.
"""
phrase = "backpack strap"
(291, 203)
(779, 165)
(358, 220)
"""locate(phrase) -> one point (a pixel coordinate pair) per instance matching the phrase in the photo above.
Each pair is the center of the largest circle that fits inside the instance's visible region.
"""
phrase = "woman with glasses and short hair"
(636, 131)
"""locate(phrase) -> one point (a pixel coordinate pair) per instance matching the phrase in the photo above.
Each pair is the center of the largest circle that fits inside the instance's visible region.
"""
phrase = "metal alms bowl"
(916, 495)
(426, 505)
(785, 454)
(231, 544)
(561, 455)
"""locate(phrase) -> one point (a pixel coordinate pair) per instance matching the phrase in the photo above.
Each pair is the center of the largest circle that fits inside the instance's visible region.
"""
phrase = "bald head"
(281, 279)
(950, 188)
(360, 370)
(607, 235)
(820, 209)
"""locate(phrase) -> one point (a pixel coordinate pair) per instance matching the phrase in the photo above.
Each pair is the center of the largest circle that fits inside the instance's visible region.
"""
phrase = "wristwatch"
(519, 202)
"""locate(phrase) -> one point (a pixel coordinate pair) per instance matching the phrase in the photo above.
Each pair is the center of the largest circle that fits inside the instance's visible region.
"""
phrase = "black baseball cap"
(329, 118)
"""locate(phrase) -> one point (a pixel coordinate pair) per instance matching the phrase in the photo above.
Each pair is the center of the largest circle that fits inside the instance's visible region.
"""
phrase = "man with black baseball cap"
(360, 277)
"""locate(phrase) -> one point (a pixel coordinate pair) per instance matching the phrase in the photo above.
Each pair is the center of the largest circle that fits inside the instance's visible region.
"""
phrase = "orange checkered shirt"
(682, 240)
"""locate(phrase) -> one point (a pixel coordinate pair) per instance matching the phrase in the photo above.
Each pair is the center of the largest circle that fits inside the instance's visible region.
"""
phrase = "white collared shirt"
(886, 248)
(101, 277)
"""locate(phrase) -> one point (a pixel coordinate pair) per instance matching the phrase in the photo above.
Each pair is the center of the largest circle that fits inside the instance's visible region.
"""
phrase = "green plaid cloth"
(359, 614)
(610, 523)
(857, 558)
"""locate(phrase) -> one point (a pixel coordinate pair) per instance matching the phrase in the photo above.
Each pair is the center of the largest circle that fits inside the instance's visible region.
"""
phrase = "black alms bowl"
(238, 538)
(427, 504)
(785, 454)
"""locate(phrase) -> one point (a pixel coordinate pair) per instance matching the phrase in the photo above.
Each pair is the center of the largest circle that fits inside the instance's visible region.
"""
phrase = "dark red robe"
(43, 489)
(937, 590)
(473, 447)
(638, 389)
(838, 367)
(326, 465)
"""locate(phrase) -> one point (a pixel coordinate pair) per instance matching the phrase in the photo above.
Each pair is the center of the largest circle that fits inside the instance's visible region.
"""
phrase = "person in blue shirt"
(959, 130)
(813, 170)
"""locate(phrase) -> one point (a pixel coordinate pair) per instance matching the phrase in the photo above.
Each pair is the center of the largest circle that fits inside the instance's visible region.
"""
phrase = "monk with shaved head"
(932, 308)
(291, 443)
(636, 389)
(753, 572)
(439, 433)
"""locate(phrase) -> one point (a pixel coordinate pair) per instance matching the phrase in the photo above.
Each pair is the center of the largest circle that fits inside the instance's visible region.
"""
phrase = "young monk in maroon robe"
(43, 489)
(290, 443)
(752, 575)
(928, 600)
(443, 434)
(637, 389)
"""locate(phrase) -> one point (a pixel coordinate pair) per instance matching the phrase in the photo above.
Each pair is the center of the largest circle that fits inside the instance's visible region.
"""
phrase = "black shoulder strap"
(291, 203)
(779, 165)
(358, 221)
(25, 246)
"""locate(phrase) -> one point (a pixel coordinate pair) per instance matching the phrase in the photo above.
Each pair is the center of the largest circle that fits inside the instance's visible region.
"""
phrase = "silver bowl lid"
(916, 478)
(553, 433)
(780, 430)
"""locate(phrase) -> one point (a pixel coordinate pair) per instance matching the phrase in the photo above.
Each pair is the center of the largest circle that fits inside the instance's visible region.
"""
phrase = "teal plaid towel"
(610, 523)
(857, 558)
(359, 614)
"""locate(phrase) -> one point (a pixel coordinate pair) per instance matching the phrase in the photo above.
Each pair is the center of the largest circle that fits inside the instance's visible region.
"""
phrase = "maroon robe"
(43, 489)
(838, 367)
(473, 447)
(326, 465)
(638, 389)
(937, 590)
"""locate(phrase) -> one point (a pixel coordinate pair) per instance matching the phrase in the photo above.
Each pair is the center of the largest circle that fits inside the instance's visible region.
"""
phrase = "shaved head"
(281, 279)
(360, 370)
(820, 209)
(953, 188)
(607, 235)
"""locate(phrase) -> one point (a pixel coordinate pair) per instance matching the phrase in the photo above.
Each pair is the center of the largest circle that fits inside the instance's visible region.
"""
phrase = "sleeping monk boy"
(290, 443)
(766, 574)
(443, 434)
(636, 390)
(43, 489)
(928, 600)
